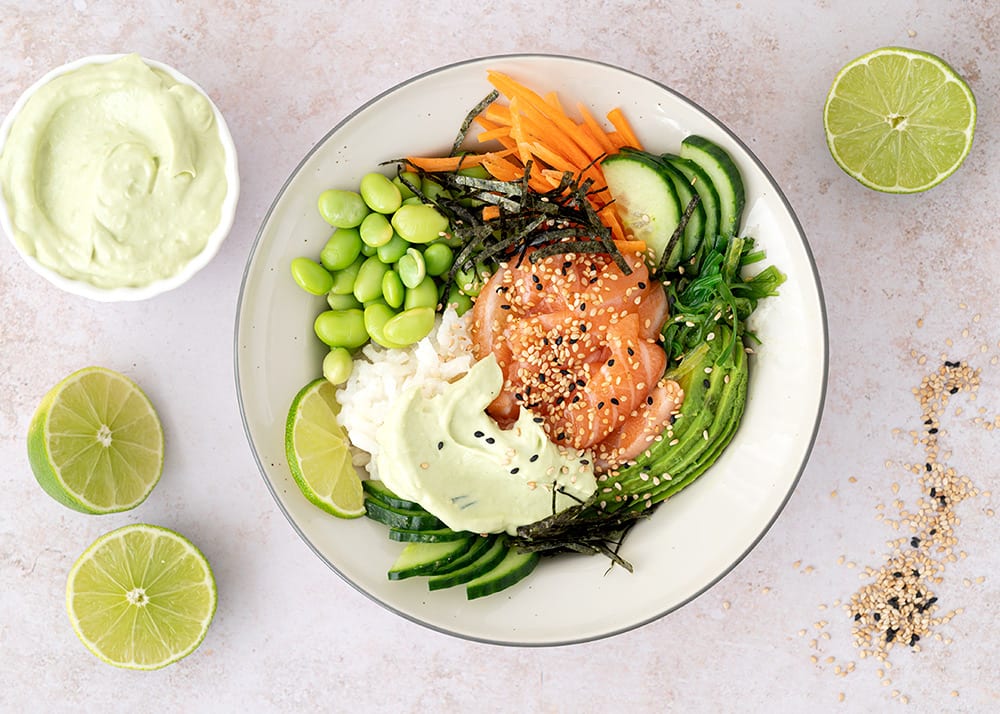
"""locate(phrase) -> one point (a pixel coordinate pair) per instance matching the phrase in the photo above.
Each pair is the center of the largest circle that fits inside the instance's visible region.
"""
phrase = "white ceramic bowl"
(693, 539)
(227, 215)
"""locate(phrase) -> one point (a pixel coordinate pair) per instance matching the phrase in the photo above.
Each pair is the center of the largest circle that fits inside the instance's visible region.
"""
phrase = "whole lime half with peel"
(899, 120)
(95, 443)
(319, 453)
(141, 597)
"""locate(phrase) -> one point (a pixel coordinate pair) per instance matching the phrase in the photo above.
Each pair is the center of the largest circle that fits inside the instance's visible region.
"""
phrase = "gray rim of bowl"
(812, 438)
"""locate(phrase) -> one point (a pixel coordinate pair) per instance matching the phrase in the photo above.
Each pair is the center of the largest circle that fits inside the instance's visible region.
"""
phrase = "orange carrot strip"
(450, 163)
(492, 134)
(599, 134)
(619, 122)
(551, 158)
(632, 247)
(491, 213)
(498, 113)
(549, 133)
(511, 89)
(517, 131)
(503, 169)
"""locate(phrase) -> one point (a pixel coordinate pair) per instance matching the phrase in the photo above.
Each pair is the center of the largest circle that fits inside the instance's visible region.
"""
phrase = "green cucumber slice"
(694, 229)
(480, 544)
(646, 200)
(697, 177)
(488, 560)
(437, 535)
(425, 558)
(725, 176)
(380, 491)
(514, 567)
(404, 518)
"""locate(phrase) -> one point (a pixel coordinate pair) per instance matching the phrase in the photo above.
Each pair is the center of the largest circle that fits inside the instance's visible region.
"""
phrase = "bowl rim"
(215, 239)
(823, 386)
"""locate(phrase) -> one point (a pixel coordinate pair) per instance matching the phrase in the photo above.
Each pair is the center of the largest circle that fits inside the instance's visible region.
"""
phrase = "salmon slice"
(576, 340)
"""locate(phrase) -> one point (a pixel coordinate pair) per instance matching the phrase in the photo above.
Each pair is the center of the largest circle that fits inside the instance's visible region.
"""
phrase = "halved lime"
(141, 597)
(899, 120)
(319, 453)
(95, 443)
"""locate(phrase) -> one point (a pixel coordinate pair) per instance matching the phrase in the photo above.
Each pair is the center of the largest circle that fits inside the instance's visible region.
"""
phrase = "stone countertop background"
(903, 277)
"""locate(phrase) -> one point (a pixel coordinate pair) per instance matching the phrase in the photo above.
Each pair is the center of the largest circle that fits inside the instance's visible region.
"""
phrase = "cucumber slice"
(725, 176)
(480, 544)
(488, 560)
(515, 566)
(646, 200)
(425, 558)
(694, 229)
(437, 535)
(697, 177)
(408, 519)
(380, 491)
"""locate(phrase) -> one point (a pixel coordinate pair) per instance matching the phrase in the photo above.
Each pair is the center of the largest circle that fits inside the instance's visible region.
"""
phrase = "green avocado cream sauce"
(114, 174)
(447, 454)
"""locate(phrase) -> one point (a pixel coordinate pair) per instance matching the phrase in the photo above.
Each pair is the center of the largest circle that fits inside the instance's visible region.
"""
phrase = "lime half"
(95, 443)
(899, 120)
(319, 453)
(141, 597)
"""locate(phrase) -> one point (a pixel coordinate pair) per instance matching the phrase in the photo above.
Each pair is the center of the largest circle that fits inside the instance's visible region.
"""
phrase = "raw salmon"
(576, 339)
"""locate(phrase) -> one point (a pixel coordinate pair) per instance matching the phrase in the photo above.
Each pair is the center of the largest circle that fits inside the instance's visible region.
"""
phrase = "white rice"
(441, 357)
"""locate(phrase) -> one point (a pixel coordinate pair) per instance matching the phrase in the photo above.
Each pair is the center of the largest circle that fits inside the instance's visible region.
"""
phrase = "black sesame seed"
(534, 458)
(890, 634)
(927, 466)
(600, 405)
(581, 383)
(932, 531)
(614, 400)
(585, 462)
(933, 492)
(915, 542)
(440, 445)
(953, 390)
(559, 340)
(583, 327)
(541, 377)
(897, 574)
(490, 440)
(514, 470)
(893, 602)
(478, 434)
(561, 435)
(583, 307)
(649, 401)
(538, 286)
(857, 616)
(932, 430)
(642, 285)
(705, 383)
(877, 617)
(538, 420)
(576, 398)
(611, 362)
(914, 639)
(631, 352)
(505, 307)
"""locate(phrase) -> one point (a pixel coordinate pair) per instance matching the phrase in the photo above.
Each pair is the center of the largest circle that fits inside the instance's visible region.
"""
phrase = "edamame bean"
(410, 326)
(438, 259)
(380, 193)
(471, 282)
(342, 302)
(432, 190)
(419, 223)
(338, 365)
(459, 300)
(343, 280)
(392, 289)
(411, 268)
(311, 276)
(375, 318)
(424, 295)
(478, 171)
(375, 230)
(368, 250)
(341, 328)
(413, 201)
(404, 181)
(342, 209)
(368, 285)
(341, 250)
(393, 250)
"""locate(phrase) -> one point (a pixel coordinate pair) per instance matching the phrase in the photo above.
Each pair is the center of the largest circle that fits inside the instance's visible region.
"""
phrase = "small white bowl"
(212, 245)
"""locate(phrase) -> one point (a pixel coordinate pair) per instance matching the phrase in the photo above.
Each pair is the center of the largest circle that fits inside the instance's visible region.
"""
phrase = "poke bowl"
(693, 538)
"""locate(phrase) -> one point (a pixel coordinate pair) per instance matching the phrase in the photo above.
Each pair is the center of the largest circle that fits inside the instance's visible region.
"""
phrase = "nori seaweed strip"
(471, 117)
(567, 246)
(508, 188)
(661, 269)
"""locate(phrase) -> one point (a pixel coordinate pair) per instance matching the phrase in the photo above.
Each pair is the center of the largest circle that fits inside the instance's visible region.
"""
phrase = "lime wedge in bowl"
(319, 453)
(141, 597)
(95, 443)
(899, 120)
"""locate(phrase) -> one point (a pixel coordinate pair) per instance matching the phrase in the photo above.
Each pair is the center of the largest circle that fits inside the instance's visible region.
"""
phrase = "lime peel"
(899, 120)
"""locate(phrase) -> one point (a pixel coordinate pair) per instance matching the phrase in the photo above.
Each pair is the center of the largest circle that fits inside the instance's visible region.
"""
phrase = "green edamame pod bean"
(380, 193)
(411, 268)
(424, 295)
(393, 250)
(410, 326)
(343, 280)
(311, 276)
(375, 230)
(342, 302)
(375, 318)
(478, 171)
(407, 182)
(368, 250)
(419, 223)
(432, 190)
(413, 201)
(392, 289)
(459, 300)
(404, 191)
(368, 285)
(468, 282)
(342, 209)
(338, 365)
(341, 250)
(341, 328)
(438, 259)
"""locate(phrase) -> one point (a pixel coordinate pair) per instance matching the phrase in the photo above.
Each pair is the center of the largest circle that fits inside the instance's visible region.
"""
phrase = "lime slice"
(141, 597)
(95, 443)
(899, 120)
(319, 453)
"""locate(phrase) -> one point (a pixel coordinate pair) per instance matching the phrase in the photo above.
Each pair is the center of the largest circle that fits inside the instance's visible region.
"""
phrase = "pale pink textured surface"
(289, 635)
